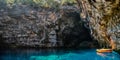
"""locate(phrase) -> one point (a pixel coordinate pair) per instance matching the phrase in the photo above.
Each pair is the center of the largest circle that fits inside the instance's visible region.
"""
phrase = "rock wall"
(25, 25)
(104, 20)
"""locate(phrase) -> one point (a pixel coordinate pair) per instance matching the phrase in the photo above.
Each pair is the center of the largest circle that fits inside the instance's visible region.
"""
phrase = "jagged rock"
(104, 20)
(52, 38)
(43, 27)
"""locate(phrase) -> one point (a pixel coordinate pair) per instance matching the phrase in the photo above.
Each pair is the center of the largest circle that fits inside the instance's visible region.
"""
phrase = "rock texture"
(68, 25)
(25, 25)
(104, 20)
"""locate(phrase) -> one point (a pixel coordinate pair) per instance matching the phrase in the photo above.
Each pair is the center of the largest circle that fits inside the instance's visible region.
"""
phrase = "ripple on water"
(57, 55)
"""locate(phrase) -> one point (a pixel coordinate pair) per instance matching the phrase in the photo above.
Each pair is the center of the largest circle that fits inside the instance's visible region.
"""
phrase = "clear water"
(52, 54)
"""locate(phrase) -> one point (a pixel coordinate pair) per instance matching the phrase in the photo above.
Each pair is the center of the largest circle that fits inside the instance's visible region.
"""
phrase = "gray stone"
(43, 27)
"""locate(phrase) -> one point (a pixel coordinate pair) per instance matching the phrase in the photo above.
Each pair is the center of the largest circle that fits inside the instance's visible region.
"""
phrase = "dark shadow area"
(77, 36)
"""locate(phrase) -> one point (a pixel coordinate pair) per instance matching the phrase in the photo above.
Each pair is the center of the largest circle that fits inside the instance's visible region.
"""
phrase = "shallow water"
(52, 54)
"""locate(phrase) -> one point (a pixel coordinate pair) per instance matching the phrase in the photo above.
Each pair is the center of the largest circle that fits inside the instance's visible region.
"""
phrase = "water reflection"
(53, 54)
(112, 55)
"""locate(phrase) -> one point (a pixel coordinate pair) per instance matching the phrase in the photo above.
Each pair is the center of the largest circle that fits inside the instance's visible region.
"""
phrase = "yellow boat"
(113, 46)
(104, 50)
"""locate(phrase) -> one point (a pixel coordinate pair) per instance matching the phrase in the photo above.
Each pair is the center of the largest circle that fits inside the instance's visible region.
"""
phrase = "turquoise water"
(52, 54)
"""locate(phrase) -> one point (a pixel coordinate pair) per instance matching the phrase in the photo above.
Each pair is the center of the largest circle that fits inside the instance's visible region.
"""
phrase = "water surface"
(52, 54)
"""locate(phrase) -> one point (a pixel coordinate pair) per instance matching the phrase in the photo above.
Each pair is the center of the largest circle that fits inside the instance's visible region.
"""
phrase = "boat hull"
(104, 50)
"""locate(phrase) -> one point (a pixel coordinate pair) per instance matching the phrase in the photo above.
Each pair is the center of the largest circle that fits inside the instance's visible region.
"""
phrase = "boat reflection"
(52, 54)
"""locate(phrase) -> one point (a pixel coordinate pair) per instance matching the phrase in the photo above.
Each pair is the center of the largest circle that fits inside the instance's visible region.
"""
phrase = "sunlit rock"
(103, 20)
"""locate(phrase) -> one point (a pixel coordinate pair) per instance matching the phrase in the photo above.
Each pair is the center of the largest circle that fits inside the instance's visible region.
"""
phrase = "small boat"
(104, 50)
